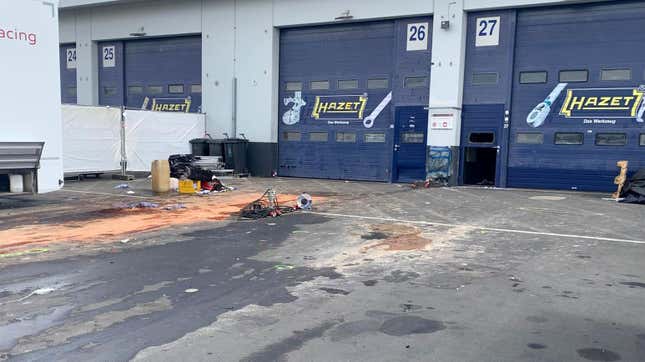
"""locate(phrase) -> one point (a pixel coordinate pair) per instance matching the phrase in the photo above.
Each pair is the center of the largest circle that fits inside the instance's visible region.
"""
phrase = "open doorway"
(4, 183)
(480, 165)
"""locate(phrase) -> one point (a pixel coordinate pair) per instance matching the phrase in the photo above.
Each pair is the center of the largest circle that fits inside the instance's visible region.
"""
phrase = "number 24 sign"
(487, 31)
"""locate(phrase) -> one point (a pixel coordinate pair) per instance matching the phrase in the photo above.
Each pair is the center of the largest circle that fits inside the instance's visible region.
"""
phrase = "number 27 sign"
(487, 31)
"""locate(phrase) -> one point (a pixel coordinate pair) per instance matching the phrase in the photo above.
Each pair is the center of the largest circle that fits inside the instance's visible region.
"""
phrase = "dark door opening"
(480, 166)
(4, 183)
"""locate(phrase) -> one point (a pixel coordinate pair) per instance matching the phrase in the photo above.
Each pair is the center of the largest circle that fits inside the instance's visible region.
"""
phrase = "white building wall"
(240, 41)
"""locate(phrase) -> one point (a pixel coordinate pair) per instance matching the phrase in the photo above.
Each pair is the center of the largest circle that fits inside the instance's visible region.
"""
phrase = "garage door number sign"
(487, 31)
(417, 37)
(109, 60)
(70, 56)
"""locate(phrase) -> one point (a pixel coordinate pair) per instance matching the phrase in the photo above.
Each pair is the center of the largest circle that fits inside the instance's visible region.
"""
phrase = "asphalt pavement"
(378, 272)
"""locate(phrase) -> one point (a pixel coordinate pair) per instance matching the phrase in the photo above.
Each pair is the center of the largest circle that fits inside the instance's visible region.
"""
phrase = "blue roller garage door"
(568, 82)
(156, 74)
(339, 88)
(588, 61)
(68, 73)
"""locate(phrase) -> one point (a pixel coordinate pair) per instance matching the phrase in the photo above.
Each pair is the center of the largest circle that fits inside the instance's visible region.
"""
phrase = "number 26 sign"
(417, 37)
(487, 31)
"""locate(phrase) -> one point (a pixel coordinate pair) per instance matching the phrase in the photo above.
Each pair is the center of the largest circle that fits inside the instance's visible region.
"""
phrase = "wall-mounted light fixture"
(139, 32)
(345, 15)
(445, 24)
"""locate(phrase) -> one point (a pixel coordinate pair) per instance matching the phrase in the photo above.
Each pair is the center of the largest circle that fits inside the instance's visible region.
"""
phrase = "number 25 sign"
(487, 31)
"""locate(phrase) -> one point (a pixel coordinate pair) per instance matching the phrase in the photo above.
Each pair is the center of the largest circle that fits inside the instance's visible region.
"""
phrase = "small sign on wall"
(487, 31)
(108, 55)
(70, 55)
(442, 121)
(417, 36)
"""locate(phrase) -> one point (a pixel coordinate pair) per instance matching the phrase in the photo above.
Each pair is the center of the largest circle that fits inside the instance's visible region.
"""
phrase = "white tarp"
(91, 139)
(156, 135)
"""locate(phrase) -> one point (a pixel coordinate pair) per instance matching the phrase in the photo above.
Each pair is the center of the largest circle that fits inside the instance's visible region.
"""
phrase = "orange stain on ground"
(113, 224)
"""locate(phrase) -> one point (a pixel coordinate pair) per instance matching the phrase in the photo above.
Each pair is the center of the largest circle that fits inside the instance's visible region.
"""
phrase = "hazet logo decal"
(602, 102)
(168, 104)
(346, 107)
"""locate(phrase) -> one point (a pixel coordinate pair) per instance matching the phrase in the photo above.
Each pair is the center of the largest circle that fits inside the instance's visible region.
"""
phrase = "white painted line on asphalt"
(515, 231)
(107, 194)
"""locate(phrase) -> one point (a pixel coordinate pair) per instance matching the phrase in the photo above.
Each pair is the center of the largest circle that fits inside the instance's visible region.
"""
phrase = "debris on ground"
(266, 206)
(634, 190)
(174, 207)
(125, 241)
(304, 201)
(282, 267)
(189, 175)
(143, 205)
(191, 290)
(40, 291)
(121, 187)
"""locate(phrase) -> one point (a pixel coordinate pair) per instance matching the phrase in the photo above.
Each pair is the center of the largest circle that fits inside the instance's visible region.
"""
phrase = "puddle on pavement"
(406, 325)
(598, 354)
(396, 237)
(12, 332)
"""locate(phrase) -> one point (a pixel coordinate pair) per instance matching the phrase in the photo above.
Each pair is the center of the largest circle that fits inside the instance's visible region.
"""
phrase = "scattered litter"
(281, 267)
(191, 290)
(174, 207)
(130, 192)
(271, 224)
(144, 205)
(25, 252)
(41, 291)
(514, 278)
(122, 186)
(304, 201)
(125, 241)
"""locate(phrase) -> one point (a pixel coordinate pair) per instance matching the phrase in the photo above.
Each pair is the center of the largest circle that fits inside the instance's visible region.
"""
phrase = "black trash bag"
(634, 190)
(183, 167)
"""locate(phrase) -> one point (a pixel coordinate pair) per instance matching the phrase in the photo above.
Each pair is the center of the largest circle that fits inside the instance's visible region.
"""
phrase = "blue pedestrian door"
(410, 135)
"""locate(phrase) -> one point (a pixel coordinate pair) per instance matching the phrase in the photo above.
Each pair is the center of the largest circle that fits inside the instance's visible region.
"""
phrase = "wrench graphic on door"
(368, 122)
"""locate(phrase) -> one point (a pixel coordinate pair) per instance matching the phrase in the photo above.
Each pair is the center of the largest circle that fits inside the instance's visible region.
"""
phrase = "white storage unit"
(30, 107)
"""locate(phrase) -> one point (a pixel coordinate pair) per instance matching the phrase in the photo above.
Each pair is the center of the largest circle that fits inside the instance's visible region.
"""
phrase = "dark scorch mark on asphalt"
(399, 276)
(275, 351)
(410, 307)
(374, 235)
(598, 354)
(634, 284)
(536, 319)
(334, 291)
(403, 326)
(536, 346)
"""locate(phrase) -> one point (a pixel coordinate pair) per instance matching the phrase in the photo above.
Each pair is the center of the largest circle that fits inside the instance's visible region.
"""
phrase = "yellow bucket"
(189, 186)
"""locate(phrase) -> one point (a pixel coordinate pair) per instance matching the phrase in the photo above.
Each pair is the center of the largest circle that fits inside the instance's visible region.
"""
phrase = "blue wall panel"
(350, 52)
